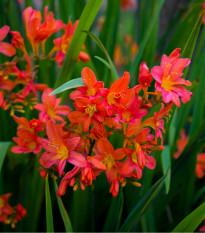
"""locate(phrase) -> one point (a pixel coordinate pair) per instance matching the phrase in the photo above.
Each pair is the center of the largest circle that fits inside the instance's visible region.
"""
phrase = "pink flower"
(50, 108)
(6, 48)
(60, 150)
(168, 78)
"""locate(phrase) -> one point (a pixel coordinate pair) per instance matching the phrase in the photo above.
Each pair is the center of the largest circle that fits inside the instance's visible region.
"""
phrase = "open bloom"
(111, 159)
(35, 31)
(62, 45)
(88, 111)
(50, 107)
(168, 78)
(27, 140)
(60, 150)
(156, 122)
(92, 86)
(6, 48)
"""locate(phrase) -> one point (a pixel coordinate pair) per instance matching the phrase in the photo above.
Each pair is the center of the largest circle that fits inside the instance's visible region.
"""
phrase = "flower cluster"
(8, 214)
(18, 88)
(101, 113)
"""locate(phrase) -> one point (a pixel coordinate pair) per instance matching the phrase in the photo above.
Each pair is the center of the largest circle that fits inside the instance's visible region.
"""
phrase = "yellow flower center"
(51, 113)
(1, 203)
(109, 161)
(63, 152)
(167, 83)
(91, 109)
(32, 146)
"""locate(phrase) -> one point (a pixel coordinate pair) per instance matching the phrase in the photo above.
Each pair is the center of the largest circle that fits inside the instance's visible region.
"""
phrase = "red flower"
(88, 110)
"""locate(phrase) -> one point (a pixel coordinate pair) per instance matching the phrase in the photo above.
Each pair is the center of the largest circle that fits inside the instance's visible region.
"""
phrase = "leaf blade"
(3, 149)
(192, 221)
(49, 214)
(64, 214)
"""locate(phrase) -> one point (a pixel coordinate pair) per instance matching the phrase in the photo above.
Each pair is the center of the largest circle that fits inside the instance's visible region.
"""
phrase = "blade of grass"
(78, 39)
(166, 166)
(192, 221)
(182, 32)
(112, 221)
(103, 61)
(141, 206)
(49, 214)
(101, 46)
(64, 214)
(3, 149)
(135, 64)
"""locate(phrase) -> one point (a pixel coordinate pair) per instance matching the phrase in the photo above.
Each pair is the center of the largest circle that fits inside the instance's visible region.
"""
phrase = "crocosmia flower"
(62, 44)
(60, 150)
(168, 78)
(50, 107)
(35, 31)
(5, 208)
(6, 48)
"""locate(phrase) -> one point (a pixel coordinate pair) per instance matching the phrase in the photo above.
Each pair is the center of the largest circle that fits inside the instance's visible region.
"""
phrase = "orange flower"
(27, 140)
(6, 48)
(181, 143)
(50, 107)
(82, 176)
(36, 32)
(110, 158)
(62, 44)
(88, 111)
(60, 150)
(200, 165)
(5, 208)
(92, 86)
(156, 122)
(18, 42)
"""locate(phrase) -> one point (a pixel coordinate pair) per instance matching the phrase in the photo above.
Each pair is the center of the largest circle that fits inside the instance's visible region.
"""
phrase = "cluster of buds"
(100, 114)
(8, 214)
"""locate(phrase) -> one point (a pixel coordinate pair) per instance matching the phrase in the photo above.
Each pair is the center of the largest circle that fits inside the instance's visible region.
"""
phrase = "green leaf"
(64, 214)
(78, 82)
(141, 206)
(192, 221)
(182, 32)
(101, 46)
(3, 149)
(190, 44)
(49, 214)
(145, 40)
(112, 221)
(103, 61)
(86, 19)
(166, 166)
